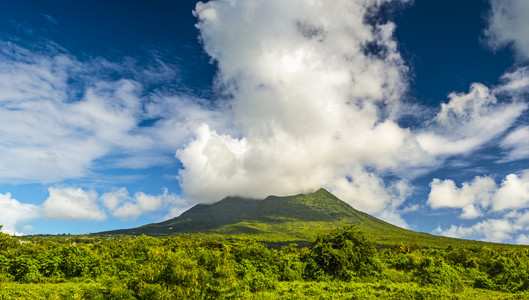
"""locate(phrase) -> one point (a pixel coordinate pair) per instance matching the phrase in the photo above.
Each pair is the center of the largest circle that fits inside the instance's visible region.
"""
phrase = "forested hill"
(298, 218)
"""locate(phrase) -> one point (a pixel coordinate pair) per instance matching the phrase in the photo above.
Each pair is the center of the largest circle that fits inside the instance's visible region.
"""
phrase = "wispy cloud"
(59, 115)
(517, 143)
(470, 120)
(50, 19)
(508, 25)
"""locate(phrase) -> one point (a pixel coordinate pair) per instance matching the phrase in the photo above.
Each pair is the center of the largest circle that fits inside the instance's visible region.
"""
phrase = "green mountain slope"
(298, 218)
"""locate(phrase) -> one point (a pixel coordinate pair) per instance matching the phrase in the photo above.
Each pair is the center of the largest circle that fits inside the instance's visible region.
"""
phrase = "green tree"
(344, 253)
(25, 269)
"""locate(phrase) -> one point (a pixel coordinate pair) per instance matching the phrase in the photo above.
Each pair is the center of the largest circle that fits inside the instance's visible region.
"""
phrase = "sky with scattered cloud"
(415, 112)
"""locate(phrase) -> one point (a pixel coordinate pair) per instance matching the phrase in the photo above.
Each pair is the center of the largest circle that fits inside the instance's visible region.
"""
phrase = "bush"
(7, 242)
(343, 254)
(77, 261)
(25, 269)
(434, 271)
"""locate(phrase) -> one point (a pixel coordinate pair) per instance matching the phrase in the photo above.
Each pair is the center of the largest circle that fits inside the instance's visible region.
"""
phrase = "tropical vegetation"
(340, 263)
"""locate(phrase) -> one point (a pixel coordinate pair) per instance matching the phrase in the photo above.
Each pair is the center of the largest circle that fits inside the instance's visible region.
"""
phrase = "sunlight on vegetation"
(341, 263)
(296, 219)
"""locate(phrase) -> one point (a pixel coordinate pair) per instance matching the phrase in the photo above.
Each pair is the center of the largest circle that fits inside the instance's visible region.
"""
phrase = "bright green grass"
(51, 291)
(284, 290)
(354, 290)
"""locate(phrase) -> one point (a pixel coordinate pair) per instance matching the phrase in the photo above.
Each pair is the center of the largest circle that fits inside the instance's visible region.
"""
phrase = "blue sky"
(115, 114)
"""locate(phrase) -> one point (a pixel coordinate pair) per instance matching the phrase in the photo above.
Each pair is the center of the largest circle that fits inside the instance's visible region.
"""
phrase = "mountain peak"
(319, 206)
(322, 191)
(299, 218)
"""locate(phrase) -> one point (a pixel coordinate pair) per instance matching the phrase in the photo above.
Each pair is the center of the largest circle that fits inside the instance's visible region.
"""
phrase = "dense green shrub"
(7, 242)
(434, 271)
(344, 254)
(77, 261)
(25, 269)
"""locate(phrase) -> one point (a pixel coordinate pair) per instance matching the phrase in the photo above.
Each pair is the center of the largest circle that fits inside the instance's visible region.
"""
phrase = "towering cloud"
(314, 89)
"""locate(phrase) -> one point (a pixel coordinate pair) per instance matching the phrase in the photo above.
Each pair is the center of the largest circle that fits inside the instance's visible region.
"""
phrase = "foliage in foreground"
(340, 264)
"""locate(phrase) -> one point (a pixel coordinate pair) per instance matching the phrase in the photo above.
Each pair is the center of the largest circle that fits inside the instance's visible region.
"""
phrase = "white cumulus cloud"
(313, 106)
(481, 194)
(513, 193)
(510, 227)
(492, 230)
(13, 213)
(72, 204)
(522, 239)
(471, 197)
(124, 206)
(503, 207)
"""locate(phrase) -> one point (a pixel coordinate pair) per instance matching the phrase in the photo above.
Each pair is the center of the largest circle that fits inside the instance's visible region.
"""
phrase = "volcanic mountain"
(298, 219)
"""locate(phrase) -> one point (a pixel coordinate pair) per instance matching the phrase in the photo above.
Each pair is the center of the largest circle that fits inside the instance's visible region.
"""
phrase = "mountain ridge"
(298, 218)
